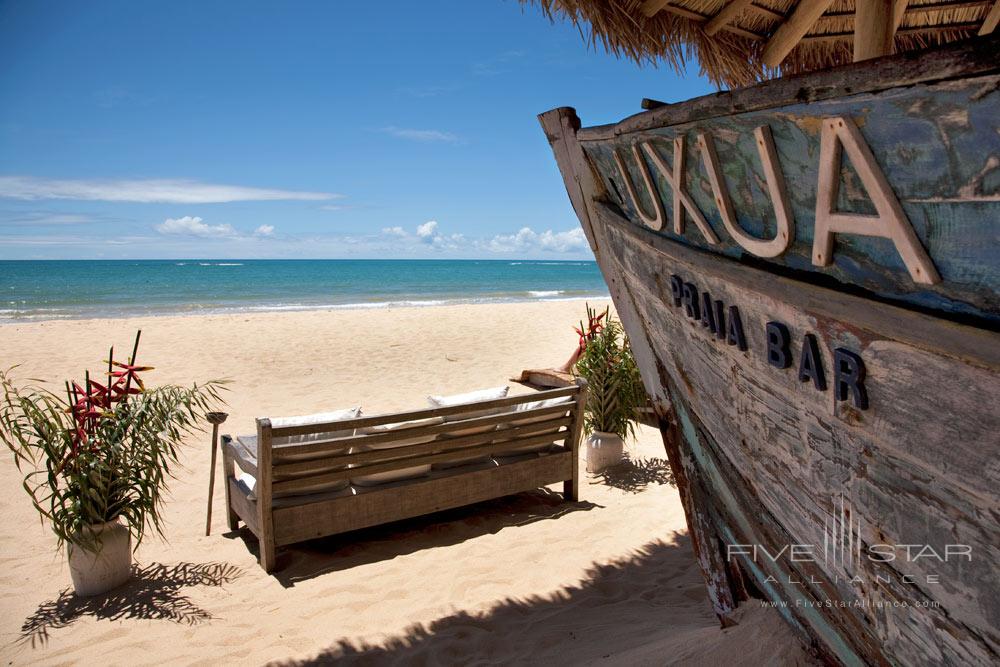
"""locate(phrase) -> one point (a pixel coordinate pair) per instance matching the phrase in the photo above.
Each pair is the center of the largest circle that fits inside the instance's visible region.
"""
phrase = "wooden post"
(265, 514)
(789, 33)
(874, 27)
(571, 487)
(214, 418)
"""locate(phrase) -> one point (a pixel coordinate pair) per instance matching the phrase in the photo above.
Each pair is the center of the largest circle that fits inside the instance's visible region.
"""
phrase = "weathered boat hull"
(833, 426)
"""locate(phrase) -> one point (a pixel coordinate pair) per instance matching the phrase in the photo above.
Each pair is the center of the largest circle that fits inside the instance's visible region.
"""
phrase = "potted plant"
(96, 460)
(614, 386)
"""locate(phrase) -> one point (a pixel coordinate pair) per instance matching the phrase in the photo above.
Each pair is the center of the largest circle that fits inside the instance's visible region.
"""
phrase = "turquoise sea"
(44, 290)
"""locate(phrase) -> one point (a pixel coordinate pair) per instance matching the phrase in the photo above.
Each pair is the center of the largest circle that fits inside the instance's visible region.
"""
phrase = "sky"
(142, 130)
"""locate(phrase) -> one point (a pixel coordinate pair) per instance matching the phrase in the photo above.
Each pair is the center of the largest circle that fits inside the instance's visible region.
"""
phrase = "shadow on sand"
(633, 475)
(617, 607)
(155, 592)
(314, 558)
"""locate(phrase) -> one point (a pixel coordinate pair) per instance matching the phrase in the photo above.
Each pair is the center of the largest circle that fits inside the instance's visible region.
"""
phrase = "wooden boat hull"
(833, 428)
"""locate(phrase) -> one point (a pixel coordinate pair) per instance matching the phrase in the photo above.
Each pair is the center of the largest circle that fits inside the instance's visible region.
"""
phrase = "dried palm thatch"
(739, 42)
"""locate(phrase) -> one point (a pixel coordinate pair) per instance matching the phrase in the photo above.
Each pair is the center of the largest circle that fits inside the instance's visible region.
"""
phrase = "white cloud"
(264, 231)
(428, 230)
(171, 191)
(394, 231)
(193, 226)
(526, 239)
(46, 218)
(424, 136)
(452, 242)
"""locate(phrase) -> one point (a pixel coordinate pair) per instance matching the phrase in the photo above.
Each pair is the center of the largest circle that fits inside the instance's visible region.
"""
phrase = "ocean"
(46, 290)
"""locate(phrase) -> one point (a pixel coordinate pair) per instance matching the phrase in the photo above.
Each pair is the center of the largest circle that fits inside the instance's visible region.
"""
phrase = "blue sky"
(296, 129)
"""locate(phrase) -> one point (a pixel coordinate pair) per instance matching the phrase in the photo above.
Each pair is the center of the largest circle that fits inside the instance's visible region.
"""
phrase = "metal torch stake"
(214, 418)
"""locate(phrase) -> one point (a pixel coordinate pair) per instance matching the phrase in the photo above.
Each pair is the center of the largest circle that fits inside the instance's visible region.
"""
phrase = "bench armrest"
(243, 460)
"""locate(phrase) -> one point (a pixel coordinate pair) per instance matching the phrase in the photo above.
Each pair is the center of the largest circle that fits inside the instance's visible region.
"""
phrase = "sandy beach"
(524, 579)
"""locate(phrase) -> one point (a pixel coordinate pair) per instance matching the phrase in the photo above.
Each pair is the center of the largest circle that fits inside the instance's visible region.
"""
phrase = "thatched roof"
(739, 42)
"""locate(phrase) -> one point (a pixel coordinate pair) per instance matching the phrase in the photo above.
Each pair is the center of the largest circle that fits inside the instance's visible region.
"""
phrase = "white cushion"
(395, 475)
(317, 418)
(246, 449)
(491, 394)
(523, 407)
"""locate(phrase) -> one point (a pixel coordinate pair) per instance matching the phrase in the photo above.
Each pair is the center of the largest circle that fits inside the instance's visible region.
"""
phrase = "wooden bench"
(282, 506)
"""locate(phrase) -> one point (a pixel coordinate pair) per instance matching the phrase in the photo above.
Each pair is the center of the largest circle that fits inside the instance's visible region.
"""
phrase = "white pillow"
(247, 450)
(523, 407)
(469, 397)
(317, 418)
(460, 399)
(395, 475)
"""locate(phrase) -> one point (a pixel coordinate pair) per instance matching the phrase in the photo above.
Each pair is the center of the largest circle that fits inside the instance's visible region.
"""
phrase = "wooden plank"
(243, 507)
(229, 473)
(411, 453)
(960, 59)
(263, 490)
(776, 453)
(240, 461)
(991, 20)
(335, 448)
(558, 124)
(726, 15)
(571, 487)
(378, 506)
(787, 36)
(943, 196)
(874, 27)
(296, 485)
(973, 345)
(414, 415)
(571, 159)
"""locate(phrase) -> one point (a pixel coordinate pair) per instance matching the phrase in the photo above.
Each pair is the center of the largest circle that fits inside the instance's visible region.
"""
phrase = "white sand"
(522, 579)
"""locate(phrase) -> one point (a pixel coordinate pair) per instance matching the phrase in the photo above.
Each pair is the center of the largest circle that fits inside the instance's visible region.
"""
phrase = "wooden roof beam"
(874, 27)
(912, 30)
(991, 20)
(789, 33)
(726, 15)
(651, 7)
(916, 9)
(767, 11)
(898, 11)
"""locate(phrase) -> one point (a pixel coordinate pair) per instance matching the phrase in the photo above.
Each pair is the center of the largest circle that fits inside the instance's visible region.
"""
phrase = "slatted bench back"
(290, 468)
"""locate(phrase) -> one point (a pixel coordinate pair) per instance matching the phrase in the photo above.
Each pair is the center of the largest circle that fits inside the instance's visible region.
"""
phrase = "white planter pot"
(110, 566)
(603, 450)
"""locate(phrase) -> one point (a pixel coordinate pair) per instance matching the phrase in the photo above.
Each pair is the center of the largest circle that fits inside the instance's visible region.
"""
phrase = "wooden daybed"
(299, 482)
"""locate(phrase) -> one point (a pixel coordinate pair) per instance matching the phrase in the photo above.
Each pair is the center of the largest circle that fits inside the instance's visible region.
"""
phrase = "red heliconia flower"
(91, 405)
(129, 373)
(594, 327)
